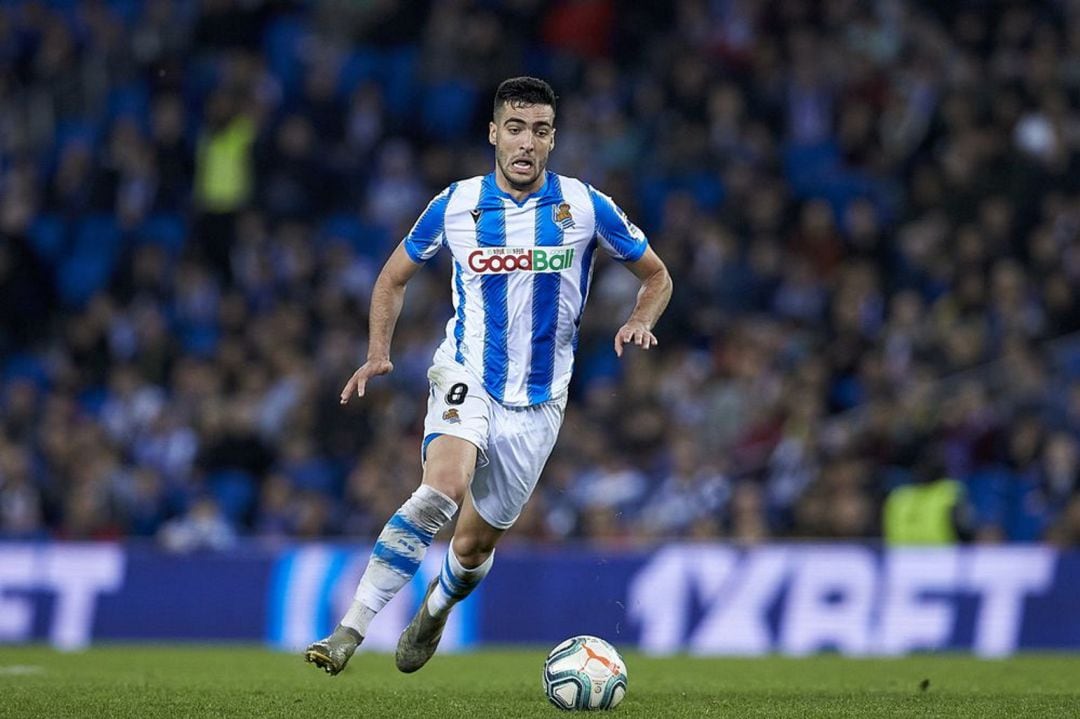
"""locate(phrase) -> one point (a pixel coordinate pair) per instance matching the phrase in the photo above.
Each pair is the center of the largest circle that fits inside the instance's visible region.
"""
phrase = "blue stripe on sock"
(453, 585)
(453, 581)
(450, 592)
(400, 522)
(401, 564)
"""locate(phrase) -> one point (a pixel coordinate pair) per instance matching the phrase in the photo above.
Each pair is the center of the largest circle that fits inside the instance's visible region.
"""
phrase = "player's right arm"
(387, 298)
(388, 295)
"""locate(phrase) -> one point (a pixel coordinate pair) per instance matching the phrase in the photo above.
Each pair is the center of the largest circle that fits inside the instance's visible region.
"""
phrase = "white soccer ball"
(585, 673)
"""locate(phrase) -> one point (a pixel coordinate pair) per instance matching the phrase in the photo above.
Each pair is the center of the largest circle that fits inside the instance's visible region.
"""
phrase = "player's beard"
(505, 167)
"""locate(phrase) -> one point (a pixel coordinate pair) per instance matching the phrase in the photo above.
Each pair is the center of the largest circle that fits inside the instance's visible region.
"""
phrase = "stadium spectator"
(871, 212)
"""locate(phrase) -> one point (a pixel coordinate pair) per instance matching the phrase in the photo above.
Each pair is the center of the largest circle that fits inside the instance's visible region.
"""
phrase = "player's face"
(523, 136)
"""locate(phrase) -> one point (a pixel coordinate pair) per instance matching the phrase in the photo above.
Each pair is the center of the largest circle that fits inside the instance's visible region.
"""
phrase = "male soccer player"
(523, 242)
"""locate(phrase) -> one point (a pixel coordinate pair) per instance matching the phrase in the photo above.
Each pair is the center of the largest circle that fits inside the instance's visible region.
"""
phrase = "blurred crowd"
(871, 211)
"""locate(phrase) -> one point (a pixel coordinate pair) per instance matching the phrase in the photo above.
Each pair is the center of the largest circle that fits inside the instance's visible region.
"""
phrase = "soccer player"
(523, 242)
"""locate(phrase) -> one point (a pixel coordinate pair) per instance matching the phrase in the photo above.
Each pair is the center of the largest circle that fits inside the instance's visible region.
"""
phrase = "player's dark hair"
(519, 91)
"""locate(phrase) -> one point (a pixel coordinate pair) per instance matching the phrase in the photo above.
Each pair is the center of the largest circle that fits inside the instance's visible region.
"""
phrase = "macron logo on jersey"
(501, 260)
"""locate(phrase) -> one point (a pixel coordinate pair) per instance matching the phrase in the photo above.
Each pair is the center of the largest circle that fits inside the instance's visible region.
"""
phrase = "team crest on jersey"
(562, 215)
(451, 415)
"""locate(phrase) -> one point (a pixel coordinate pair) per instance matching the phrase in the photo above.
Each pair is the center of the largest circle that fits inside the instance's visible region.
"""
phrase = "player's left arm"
(652, 299)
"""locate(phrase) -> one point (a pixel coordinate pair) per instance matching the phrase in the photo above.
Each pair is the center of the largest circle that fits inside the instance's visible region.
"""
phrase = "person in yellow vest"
(224, 176)
(931, 511)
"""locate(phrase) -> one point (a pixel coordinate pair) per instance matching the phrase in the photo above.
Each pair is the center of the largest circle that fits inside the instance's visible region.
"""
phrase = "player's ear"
(552, 140)
(491, 132)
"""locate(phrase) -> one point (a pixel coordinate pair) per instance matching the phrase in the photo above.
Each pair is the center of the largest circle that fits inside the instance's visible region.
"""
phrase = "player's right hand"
(358, 382)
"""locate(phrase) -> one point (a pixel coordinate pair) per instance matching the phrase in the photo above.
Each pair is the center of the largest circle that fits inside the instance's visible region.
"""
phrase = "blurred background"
(870, 210)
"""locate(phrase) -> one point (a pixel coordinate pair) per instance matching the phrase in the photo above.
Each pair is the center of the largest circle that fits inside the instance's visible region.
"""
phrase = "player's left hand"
(634, 332)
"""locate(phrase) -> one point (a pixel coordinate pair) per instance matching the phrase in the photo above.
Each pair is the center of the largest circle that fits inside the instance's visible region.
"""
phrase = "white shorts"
(513, 443)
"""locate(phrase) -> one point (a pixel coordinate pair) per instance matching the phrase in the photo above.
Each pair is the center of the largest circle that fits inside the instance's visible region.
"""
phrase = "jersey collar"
(497, 191)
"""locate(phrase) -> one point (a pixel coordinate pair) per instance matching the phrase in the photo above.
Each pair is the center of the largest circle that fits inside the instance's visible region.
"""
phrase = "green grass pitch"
(177, 681)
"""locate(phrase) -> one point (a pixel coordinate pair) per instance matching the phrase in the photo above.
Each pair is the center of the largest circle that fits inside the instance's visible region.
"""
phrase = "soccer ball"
(585, 673)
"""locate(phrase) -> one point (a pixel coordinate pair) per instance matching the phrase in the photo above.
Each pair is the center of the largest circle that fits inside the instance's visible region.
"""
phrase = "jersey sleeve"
(619, 237)
(424, 239)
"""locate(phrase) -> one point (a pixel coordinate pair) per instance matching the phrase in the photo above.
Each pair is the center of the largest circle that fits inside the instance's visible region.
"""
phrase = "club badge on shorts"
(451, 415)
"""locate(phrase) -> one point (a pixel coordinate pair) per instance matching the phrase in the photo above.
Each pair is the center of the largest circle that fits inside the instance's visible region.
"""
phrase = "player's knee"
(448, 481)
(472, 550)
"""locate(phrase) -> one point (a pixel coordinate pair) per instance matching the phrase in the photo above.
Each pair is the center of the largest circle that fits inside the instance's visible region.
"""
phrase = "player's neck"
(519, 194)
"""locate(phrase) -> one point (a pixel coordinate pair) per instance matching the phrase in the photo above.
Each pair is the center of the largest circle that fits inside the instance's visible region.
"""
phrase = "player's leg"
(401, 547)
(404, 540)
(521, 441)
(467, 562)
(455, 432)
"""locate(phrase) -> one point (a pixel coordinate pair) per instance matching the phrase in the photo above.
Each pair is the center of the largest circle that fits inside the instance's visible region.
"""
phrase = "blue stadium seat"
(127, 10)
(98, 234)
(129, 101)
(234, 491)
(26, 366)
(201, 77)
(1068, 359)
(88, 268)
(68, 131)
(360, 67)
(81, 276)
(315, 474)
(200, 340)
(448, 109)
(167, 230)
(343, 227)
(49, 237)
(805, 166)
(92, 400)
(365, 238)
(283, 40)
(399, 72)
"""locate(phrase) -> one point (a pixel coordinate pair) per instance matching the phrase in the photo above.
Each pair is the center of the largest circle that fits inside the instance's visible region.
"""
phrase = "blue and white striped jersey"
(521, 277)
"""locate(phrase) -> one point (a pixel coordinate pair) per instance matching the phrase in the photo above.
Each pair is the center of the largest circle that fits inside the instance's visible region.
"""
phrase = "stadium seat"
(167, 230)
(129, 101)
(49, 238)
(367, 239)
(126, 10)
(92, 399)
(200, 340)
(283, 42)
(89, 266)
(81, 275)
(234, 491)
(805, 166)
(68, 131)
(314, 474)
(398, 73)
(448, 109)
(342, 227)
(98, 234)
(359, 67)
(26, 366)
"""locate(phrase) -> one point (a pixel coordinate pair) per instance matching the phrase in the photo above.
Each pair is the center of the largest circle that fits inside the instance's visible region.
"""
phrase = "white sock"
(398, 552)
(456, 582)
